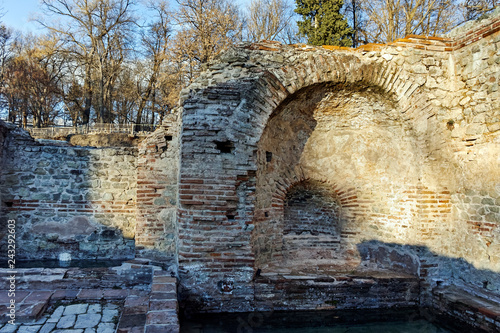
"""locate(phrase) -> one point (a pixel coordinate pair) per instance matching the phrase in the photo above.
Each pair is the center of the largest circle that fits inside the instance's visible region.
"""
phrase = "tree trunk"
(88, 97)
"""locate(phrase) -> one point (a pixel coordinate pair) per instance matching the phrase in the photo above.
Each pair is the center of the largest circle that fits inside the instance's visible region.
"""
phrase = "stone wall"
(91, 202)
(68, 199)
(403, 136)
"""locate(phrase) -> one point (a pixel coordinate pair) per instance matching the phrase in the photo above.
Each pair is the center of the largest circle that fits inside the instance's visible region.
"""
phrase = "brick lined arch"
(330, 235)
(277, 84)
(319, 75)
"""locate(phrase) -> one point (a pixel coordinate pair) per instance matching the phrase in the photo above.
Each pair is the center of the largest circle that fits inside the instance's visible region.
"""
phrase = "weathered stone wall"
(93, 203)
(404, 136)
(68, 199)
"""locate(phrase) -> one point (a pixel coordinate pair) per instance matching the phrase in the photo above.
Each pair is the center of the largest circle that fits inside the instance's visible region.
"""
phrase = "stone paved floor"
(146, 307)
(72, 318)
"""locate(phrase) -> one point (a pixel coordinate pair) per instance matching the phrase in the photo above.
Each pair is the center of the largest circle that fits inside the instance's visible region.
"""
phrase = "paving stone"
(115, 293)
(4, 298)
(38, 296)
(88, 320)
(30, 311)
(8, 328)
(48, 327)
(94, 308)
(90, 294)
(156, 305)
(28, 329)
(21, 295)
(162, 329)
(66, 321)
(165, 279)
(56, 315)
(164, 287)
(90, 330)
(138, 293)
(111, 306)
(132, 321)
(75, 309)
(40, 321)
(106, 328)
(162, 317)
(65, 294)
(133, 301)
(68, 331)
(108, 315)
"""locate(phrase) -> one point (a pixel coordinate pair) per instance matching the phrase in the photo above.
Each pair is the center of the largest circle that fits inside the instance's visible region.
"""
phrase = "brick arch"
(347, 198)
(275, 85)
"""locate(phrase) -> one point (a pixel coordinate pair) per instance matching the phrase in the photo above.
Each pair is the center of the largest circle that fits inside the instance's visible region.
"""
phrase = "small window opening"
(225, 147)
(269, 156)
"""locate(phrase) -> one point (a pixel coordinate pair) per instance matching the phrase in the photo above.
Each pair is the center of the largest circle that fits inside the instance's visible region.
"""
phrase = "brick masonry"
(157, 178)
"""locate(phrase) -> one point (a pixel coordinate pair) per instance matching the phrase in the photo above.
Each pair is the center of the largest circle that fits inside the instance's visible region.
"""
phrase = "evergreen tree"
(322, 23)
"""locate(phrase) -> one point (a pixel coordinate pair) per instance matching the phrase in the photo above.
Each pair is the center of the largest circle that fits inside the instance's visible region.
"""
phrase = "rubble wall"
(68, 199)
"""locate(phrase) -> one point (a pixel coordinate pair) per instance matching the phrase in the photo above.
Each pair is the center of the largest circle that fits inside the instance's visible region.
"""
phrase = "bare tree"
(388, 20)
(96, 34)
(473, 9)
(208, 27)
(270, 20)
(155, 41)
(355, 16)
(6, 39)
(32, 81)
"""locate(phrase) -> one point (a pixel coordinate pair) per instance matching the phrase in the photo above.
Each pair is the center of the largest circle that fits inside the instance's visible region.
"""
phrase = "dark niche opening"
(311, 207)
(225, 147)
(269, 156)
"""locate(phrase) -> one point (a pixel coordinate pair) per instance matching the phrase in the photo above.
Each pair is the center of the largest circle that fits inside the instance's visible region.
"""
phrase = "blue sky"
(18, 12)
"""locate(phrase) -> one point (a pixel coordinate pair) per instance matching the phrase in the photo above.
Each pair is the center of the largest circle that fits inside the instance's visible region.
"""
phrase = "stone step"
(29, 305)
(163, 310)
(480, 312)
(350, 290)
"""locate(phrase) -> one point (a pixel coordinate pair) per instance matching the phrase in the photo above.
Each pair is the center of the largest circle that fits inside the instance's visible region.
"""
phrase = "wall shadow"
(434, 270)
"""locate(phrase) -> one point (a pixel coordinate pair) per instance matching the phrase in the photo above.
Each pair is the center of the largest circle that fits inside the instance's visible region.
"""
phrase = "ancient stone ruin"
(295, 178)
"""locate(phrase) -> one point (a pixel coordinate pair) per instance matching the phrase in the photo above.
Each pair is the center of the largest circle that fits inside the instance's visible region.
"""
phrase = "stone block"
(87, 320)
(75, 309)
(66, 321)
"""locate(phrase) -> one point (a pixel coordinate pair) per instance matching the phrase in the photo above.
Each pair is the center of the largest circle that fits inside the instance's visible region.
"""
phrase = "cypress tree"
(322, 23)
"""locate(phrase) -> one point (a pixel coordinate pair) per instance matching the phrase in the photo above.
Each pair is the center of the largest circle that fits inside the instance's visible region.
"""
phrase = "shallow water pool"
(363, 321)
(62, 264)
